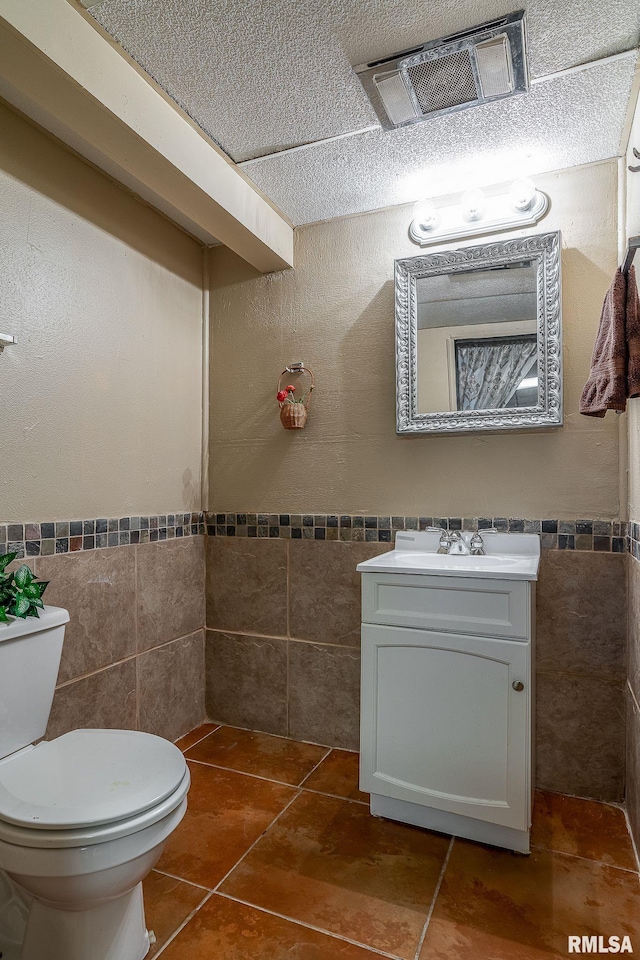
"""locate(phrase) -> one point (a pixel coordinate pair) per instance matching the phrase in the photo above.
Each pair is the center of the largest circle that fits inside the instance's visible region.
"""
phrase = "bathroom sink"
(510, 556)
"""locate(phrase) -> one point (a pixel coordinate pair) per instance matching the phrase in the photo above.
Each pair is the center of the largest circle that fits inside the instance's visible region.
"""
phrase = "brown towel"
(606, 388)
(633, 335)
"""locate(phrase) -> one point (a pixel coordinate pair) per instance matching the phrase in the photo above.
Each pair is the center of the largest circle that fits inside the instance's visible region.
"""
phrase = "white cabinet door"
(444, 723)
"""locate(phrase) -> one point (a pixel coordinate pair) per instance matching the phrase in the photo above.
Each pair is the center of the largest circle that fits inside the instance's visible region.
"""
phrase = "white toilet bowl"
(83, 819)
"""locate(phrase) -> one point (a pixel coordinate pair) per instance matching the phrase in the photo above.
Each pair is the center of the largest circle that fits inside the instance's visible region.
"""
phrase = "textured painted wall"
(335, 312)
(633, 581)
(101, 397)
(633, 229)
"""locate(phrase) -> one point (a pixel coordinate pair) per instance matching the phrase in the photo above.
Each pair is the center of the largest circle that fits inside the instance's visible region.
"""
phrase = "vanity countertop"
(508, 556)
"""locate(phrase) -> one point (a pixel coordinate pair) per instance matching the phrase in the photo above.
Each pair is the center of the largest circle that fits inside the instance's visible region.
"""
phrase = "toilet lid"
(88, 777)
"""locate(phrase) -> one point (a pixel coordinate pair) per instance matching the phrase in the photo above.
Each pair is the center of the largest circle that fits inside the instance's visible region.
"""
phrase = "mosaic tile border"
(634, 539)
(608, 536)
(71, 536)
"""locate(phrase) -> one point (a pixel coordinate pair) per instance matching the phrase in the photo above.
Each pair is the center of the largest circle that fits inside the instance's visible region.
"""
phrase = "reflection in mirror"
(477, 339)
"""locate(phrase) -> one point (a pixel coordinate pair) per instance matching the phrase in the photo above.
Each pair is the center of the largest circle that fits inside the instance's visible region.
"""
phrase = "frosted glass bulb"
(474, 205)
(522, 193)
(425, 215)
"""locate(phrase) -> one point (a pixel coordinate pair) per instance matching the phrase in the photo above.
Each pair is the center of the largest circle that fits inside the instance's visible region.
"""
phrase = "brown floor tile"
(259, 753)
(329, 863)
(597, 831)
(194, 735)
(167, 904)
(338, 774)
(227, 812)
(231, 931)
(498, 905)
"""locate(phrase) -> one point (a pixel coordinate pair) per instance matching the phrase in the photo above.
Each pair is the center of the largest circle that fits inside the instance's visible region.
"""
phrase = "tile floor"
(278, 858)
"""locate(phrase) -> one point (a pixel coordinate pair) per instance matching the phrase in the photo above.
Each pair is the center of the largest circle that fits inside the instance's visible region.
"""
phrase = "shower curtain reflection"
(489, 371)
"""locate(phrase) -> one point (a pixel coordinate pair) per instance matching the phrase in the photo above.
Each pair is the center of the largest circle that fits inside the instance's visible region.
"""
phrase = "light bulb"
(522, 193)
(473, 204)
(425, 216)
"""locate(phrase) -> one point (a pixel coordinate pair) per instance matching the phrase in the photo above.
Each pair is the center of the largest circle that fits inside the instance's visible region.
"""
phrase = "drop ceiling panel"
(261, 77)
(563, 122)
(256, 77)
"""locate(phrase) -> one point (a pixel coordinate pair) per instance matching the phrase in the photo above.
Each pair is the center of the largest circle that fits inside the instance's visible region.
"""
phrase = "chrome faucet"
(452, 541)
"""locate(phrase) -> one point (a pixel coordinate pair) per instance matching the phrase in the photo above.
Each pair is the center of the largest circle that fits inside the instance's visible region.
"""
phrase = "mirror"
(478, 338)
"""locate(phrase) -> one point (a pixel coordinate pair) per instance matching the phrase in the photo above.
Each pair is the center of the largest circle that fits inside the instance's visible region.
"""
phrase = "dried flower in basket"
(293, 410)
(287, 395)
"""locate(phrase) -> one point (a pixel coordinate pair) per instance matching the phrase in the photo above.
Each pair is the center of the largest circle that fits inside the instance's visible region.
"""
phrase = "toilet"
(83, 818)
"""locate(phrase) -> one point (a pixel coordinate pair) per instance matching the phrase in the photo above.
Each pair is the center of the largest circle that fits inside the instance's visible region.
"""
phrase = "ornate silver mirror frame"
(542, 250)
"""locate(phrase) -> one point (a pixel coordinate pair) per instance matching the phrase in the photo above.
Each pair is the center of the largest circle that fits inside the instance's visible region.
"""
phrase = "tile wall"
(633, 690)
(133, 653)
(580, 668)
(283, 636)
(281, 648)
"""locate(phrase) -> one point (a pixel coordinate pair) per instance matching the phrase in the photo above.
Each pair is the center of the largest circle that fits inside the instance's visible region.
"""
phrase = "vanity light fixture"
(5, 341)
(477, 212)
(425, 216)
(522, 193)
(474, 205)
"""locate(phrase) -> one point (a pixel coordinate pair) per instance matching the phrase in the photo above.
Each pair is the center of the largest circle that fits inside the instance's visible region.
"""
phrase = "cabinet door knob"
(518, 685)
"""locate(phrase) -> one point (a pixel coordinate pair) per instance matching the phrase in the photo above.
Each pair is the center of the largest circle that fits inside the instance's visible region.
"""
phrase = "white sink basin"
(510, 556)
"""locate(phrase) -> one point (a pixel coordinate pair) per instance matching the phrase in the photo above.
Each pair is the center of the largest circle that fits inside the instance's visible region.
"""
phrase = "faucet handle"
(477, 545)
(445, 541)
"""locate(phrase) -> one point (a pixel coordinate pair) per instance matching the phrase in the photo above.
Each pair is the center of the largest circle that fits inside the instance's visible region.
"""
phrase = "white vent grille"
(463, 70)
(494, 66)
(443, 82)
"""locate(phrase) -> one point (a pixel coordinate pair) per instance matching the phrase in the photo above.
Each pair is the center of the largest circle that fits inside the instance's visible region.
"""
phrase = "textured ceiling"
(260, 77)
(560, 123)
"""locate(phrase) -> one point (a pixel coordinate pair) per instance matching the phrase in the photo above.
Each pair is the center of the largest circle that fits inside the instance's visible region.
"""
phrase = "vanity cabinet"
(447, 703)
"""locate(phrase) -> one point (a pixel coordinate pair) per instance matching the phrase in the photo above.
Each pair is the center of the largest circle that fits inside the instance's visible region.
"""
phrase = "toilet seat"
(90, 836)
(89, 786)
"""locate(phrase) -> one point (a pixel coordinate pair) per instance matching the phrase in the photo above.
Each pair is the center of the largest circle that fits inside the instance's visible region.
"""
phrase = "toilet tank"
(30, 652)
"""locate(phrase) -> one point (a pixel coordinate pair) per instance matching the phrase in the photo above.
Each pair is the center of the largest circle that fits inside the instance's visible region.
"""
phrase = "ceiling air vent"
(483, 64)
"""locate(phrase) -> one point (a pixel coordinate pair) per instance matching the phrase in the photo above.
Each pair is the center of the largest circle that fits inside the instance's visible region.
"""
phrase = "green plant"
(20, 592)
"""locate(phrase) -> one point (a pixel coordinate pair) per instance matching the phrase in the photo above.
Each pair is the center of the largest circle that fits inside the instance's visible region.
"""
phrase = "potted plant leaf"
(20, 591)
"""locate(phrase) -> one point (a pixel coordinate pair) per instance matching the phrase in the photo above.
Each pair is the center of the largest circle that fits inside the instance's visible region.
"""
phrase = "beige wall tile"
(632, 793)
(104, 699)
(171, 687)
(170, 581)
(580, 736)
(633, 645)
(325, 589)
(247, 585)
(247, 681)
(97, 587)
(324, 694)
(581, 613)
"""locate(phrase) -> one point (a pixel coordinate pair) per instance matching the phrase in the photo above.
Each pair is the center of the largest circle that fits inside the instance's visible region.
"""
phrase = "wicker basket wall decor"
(293, 412)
